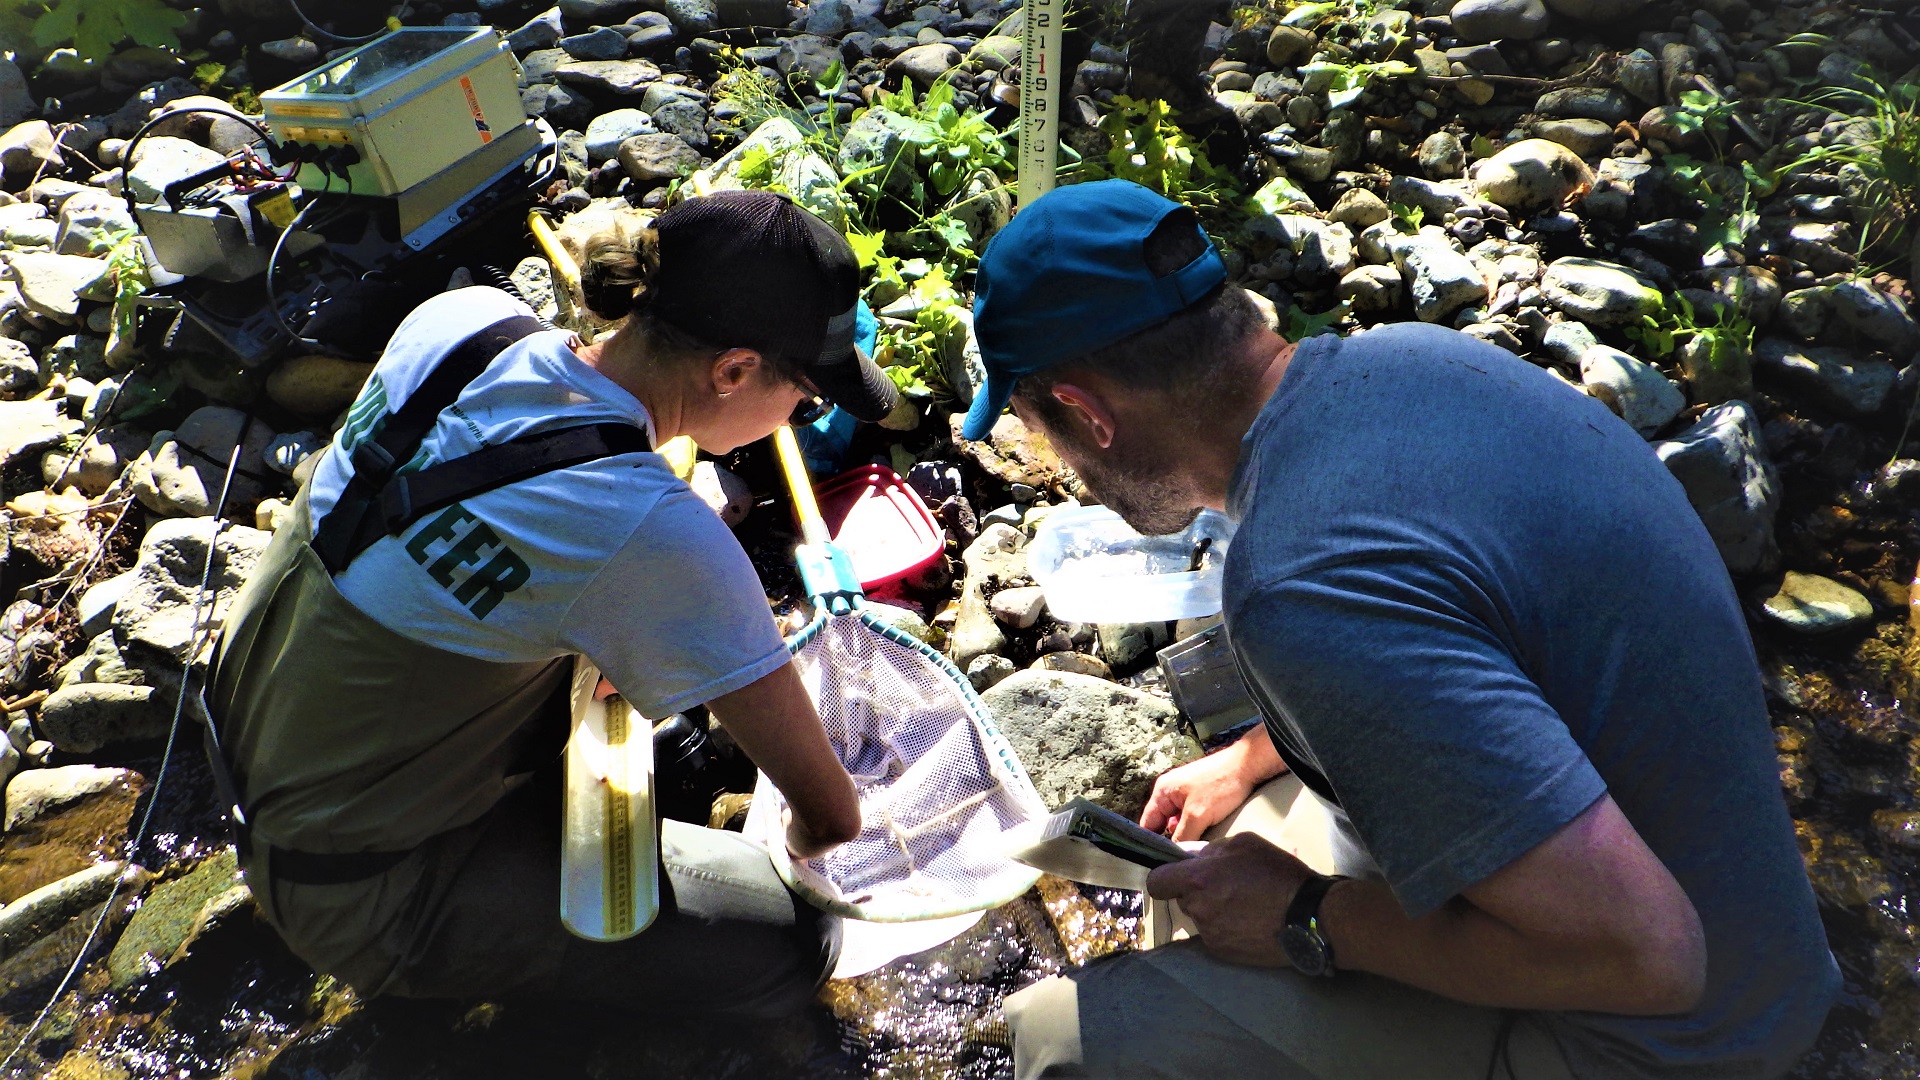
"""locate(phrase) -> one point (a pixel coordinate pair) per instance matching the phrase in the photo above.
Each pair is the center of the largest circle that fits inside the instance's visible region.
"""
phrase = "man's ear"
(1088, 410)
(734, 369)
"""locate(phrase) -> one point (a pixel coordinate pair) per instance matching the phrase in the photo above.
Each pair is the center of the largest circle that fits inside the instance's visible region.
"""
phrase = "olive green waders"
(401, 815)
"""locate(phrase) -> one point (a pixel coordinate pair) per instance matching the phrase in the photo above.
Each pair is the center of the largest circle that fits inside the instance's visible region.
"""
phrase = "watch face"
(1305, 951)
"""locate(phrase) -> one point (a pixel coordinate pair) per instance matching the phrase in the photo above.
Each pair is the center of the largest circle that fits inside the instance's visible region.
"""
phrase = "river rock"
(620, 78)
(98, 462)
(1490, 20)
(1642, 396)
(1811, 604)
(1532, 175)
(183, 475)
(612, 128)
(162, 161)
(1723, 465)
(16, 98)
(97, 602)
(31, 427)
(317, 385)
(995, 558)
(48, 908)
(1074, 663)
(19, 371)
(722, 490)
(1082, 736)
(1596, 11)
(155, 618)
(1371, 290)
(1358, 209)
(988, 669)
(1018, 608)
(1753, 290)
(649, 158)
(1440, 280)
(1876, 317)
(42, 791)
(598, 12)
(602, 43)
(53, 285)
(82, 718)
(1600, 293)
(808, 55)
(925, 64)
(1289, 46)
(28, 149)
(1123, 645)
(175, 915)
(1588, 103)
(1016, 454)
(1441, 156)
(1837, 377)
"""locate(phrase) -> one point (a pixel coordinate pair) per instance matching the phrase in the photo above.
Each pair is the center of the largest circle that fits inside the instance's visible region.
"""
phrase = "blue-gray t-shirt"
(1473, 600)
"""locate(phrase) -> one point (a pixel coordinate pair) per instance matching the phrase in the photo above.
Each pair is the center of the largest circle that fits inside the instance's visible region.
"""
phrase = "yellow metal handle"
(565, 270)
(813, 528)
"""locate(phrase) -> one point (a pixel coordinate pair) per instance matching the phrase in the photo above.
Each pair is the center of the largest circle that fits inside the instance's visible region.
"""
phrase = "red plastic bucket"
(883, 525)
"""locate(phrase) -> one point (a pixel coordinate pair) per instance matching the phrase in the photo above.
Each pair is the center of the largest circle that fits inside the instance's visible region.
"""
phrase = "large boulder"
(1082, 736)
(42, 791)
(184, 472)
(1723, 465)
(154, 618)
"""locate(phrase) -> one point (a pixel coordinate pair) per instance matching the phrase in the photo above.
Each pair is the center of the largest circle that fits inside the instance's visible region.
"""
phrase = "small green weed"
(31, 28)
(1728, 338)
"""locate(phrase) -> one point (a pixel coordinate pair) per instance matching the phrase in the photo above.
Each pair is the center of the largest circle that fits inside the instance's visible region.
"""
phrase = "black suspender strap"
(381, 501)
(377, 458)
(410, 496)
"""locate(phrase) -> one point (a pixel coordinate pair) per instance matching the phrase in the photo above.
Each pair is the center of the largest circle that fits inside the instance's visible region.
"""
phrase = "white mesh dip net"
(938, 784)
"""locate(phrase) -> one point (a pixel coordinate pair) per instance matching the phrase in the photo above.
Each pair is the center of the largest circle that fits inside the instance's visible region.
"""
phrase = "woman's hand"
(773, 720)
(1188, 800)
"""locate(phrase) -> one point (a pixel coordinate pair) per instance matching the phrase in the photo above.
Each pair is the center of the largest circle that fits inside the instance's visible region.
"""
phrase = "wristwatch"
(1306, 946)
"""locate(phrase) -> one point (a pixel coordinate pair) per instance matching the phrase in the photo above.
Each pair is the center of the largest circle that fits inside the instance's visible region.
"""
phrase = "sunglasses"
(811, 408)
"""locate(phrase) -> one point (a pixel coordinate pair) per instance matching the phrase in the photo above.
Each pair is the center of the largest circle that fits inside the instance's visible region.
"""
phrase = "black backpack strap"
(408, 497)
(379, 456)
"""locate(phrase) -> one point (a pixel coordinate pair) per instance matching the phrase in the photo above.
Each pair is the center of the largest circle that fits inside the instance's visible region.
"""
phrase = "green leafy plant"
(94, 28)
(1406, 217)
(949, 144)
(1301, 324)
(1348, 82)
(1149, 149)
(127, 267)
(1728, 337)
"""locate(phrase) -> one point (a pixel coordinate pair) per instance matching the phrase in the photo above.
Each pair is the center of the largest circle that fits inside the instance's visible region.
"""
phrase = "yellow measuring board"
(610, 844)
(1040, 81)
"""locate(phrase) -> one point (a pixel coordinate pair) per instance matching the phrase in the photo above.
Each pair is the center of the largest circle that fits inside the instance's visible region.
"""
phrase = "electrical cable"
(330, 35)
(503, 281)
(166, 756)
(273, 295)
(126, 154)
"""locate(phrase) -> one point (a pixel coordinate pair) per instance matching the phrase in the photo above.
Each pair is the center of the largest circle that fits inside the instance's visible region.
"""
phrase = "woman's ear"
(734, 370)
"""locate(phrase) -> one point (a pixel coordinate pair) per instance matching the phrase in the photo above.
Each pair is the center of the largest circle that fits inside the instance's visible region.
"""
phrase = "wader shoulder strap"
(380, 501)
(394, 443)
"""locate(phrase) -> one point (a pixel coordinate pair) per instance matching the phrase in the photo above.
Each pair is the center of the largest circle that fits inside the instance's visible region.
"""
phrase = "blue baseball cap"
(1072, 274)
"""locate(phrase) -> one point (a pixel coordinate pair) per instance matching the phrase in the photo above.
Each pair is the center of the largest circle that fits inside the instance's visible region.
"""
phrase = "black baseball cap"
(753, 269)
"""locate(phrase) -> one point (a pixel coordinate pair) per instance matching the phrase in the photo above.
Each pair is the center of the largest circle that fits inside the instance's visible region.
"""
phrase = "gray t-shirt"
(1473, 601)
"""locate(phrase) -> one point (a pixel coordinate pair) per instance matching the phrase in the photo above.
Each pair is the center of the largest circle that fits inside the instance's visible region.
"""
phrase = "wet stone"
(173, 915)
(1082, 736)
(1838, 378)
(1811, 604)
(1587, 102)
(1722, 464)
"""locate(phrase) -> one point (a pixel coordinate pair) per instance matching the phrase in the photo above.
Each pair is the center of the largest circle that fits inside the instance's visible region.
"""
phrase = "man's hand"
(1236, 891)
(1190, 799)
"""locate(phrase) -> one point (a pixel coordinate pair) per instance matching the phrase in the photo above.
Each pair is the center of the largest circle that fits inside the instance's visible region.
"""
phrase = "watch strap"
(1303, 915)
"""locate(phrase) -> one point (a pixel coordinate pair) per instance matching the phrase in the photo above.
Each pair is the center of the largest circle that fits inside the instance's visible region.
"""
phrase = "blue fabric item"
(866, 327)
(1474, 601)
(824, 442)
(1069, 276)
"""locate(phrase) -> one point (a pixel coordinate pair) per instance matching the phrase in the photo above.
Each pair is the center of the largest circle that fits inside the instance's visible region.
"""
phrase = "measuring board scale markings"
(1039, 97)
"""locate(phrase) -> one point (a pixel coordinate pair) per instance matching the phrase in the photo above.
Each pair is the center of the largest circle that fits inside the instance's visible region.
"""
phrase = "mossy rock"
(174, 916)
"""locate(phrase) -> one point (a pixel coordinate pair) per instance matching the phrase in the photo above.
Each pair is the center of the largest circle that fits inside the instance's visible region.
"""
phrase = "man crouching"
(1489, 637)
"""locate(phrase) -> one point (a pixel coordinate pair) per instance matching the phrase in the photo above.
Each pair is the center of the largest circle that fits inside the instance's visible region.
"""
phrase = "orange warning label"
(473, 106)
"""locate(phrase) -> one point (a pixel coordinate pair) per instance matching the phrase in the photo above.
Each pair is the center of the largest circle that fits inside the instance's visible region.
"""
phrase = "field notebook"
(1089, 843)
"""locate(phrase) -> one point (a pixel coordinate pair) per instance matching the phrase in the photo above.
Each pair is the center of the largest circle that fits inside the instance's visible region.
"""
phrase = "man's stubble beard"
(1147, 496)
